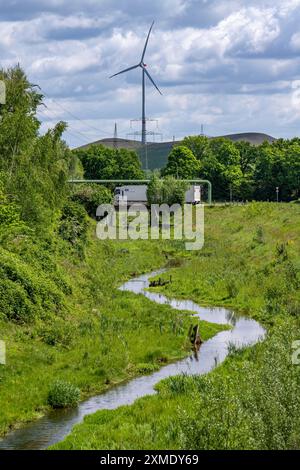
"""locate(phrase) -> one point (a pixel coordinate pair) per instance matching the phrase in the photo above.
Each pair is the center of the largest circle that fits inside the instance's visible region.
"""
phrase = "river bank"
(241, 332)
(250, 261)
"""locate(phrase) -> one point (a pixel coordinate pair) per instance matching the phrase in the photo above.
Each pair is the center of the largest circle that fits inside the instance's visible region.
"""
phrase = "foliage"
(58, 333)
(63, 395)
(74, 225)
(182, 164)
(198, 144)
(35, 167)
(155, 190)
(245, 171)
(278, 165)
(18, 122)
(11, 224)
(166, 191)
(100, 162)
(14, 302)
(26, 294)
(173, 191)
(221, 166)
(259, 406)
(91, 196)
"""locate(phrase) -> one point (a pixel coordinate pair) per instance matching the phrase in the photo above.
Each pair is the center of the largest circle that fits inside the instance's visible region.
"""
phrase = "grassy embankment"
(251, 261)
(62, 317)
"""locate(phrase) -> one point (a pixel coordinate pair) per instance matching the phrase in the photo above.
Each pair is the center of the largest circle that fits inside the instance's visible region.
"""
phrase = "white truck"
(138, 194)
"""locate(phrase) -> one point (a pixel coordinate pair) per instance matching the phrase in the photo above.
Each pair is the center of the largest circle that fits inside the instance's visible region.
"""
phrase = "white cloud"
(295, 42)
(232, 64)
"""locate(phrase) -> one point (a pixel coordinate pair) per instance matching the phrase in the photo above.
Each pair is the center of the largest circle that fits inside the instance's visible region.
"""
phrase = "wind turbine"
(143, 66)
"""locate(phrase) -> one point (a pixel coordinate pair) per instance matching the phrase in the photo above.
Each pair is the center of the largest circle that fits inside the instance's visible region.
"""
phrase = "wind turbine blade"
(126, 70)
(146, 43)
(153, 82)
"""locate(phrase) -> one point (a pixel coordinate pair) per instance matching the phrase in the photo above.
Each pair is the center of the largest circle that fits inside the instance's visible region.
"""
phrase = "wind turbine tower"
(145, 72)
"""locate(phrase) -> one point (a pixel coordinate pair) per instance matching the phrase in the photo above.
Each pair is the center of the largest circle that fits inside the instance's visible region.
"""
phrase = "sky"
(231, 65)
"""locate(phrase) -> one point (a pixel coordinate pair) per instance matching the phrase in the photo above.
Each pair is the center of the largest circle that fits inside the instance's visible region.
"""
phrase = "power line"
(77, 118)
(76, 133)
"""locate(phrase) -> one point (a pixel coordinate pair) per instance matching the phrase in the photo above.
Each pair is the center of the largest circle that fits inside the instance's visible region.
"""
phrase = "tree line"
(239, 170)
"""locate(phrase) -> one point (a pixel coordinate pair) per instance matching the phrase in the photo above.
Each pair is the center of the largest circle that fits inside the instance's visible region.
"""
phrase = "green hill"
(157, 152)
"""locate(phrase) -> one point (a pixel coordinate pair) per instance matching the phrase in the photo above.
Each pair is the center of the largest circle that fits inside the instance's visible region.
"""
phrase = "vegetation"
(62, 315)
(166, 191)
(182, 163)
(251, 401)
(100, 162)
(94, 335)
(239, 170)
(91, 196)
(59, 303)
(63, 395)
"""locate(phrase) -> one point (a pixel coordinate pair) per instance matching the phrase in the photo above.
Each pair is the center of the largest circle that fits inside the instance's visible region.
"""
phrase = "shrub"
(74, 225)
(63, 395)
(166, 191)
(58, 333)
(91, 196)
(14, 304)
(26, 291)
(178, 385)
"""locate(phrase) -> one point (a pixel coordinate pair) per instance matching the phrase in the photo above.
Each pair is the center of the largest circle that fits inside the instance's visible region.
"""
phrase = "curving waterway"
(57, 424)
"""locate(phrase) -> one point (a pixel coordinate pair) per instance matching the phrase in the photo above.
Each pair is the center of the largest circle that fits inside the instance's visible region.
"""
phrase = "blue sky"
(232, 65)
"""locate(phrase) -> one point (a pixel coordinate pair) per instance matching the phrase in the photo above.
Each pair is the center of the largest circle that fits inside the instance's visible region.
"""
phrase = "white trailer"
(132, 193)
(138, 193)
(193, 195)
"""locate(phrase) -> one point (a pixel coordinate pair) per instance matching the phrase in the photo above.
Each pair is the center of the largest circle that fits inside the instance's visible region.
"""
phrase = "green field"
(251, 262)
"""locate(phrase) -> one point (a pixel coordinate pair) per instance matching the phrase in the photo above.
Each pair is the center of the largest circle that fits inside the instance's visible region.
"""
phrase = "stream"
(57, 424)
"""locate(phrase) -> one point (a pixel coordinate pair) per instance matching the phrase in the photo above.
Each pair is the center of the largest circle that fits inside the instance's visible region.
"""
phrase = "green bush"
(176, 385)
(26, 291)
(91, 196)
(74, 225)
(58, 332)
(14, 303)
(166, 191)
(63, 395)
